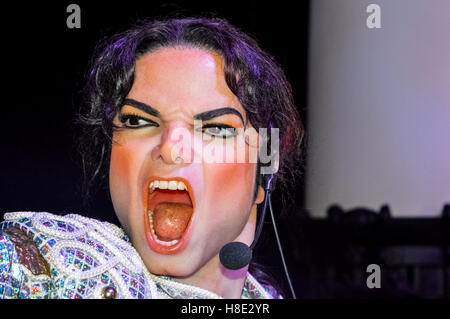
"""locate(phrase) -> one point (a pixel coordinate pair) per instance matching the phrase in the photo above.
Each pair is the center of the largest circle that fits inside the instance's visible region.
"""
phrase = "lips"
(169, 206)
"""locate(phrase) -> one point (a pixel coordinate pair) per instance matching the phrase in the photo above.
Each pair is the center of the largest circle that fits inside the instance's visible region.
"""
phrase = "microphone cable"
(280, 248)
(236, 255)
(267, 199)
(263, 215)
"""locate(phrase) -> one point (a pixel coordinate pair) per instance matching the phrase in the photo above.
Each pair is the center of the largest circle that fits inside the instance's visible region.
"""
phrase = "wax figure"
(161, 97)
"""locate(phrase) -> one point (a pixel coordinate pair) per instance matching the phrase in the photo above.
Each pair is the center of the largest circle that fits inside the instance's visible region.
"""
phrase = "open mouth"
(169, 209)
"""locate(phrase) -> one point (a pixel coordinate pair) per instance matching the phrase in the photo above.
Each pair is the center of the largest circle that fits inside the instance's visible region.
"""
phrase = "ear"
(260, 196)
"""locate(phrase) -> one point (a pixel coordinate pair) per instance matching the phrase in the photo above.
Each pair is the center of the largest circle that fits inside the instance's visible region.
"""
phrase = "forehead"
(182, 58)
(182, 76)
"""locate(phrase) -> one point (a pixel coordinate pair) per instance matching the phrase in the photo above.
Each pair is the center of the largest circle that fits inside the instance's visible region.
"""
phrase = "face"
(207, 204)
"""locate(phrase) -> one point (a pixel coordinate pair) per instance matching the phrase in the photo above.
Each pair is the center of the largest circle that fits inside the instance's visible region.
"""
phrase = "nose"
(176, 145)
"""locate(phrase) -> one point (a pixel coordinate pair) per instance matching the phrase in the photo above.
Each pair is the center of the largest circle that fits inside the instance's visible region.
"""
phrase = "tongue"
(170, 220)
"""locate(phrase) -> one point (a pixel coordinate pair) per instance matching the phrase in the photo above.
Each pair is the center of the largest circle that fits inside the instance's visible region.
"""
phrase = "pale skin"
(180, 83)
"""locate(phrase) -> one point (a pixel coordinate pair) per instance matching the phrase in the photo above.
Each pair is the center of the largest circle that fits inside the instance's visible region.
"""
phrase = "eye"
(135, 121)
(219, 130)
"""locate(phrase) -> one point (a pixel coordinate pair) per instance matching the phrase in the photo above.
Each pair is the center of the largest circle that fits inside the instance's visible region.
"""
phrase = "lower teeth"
(161, 242)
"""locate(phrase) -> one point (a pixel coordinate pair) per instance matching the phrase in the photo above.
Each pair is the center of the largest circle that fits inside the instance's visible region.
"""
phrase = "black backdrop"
(43, 64)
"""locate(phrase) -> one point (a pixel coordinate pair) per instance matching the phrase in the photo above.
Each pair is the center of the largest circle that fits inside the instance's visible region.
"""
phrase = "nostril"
(176, 144)
(172, 153)
(179, 160)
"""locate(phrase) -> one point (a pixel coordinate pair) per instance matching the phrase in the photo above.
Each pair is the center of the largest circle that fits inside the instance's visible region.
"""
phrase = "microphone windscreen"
(235, 255)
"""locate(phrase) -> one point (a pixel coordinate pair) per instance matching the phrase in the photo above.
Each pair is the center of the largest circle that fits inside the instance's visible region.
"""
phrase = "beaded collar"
(88, 256)
(171, 289)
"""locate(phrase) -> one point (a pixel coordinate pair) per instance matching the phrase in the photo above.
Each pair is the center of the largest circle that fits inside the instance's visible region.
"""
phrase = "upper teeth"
(172, 185)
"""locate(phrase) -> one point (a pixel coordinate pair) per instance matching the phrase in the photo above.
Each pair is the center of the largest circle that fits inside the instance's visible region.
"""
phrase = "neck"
(215, 278)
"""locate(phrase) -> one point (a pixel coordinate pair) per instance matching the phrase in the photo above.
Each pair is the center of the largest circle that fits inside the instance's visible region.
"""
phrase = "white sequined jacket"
(43, 255)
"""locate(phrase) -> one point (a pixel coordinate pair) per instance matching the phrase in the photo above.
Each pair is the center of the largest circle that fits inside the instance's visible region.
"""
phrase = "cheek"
(118, 173)
(231, 183)
(229, 199)
(120, 167)
(123, 179)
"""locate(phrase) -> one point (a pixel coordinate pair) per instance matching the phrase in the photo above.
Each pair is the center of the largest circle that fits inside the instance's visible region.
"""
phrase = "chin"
(174, 266)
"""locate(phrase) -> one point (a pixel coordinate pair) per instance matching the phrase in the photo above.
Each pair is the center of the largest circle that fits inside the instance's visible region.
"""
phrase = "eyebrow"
(142, 106)
(204, 116)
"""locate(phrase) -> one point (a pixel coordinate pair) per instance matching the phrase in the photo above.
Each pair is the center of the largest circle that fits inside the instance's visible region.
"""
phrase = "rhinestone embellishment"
(109, 293)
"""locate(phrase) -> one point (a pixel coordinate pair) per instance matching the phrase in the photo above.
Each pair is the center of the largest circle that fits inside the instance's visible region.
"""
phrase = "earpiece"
(267, 189)
(236, 255)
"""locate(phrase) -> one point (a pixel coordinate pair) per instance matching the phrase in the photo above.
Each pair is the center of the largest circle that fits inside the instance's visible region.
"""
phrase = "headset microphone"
(236, 255)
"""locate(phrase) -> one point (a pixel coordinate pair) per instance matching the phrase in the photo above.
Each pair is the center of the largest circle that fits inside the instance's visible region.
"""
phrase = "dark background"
(43, 67)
